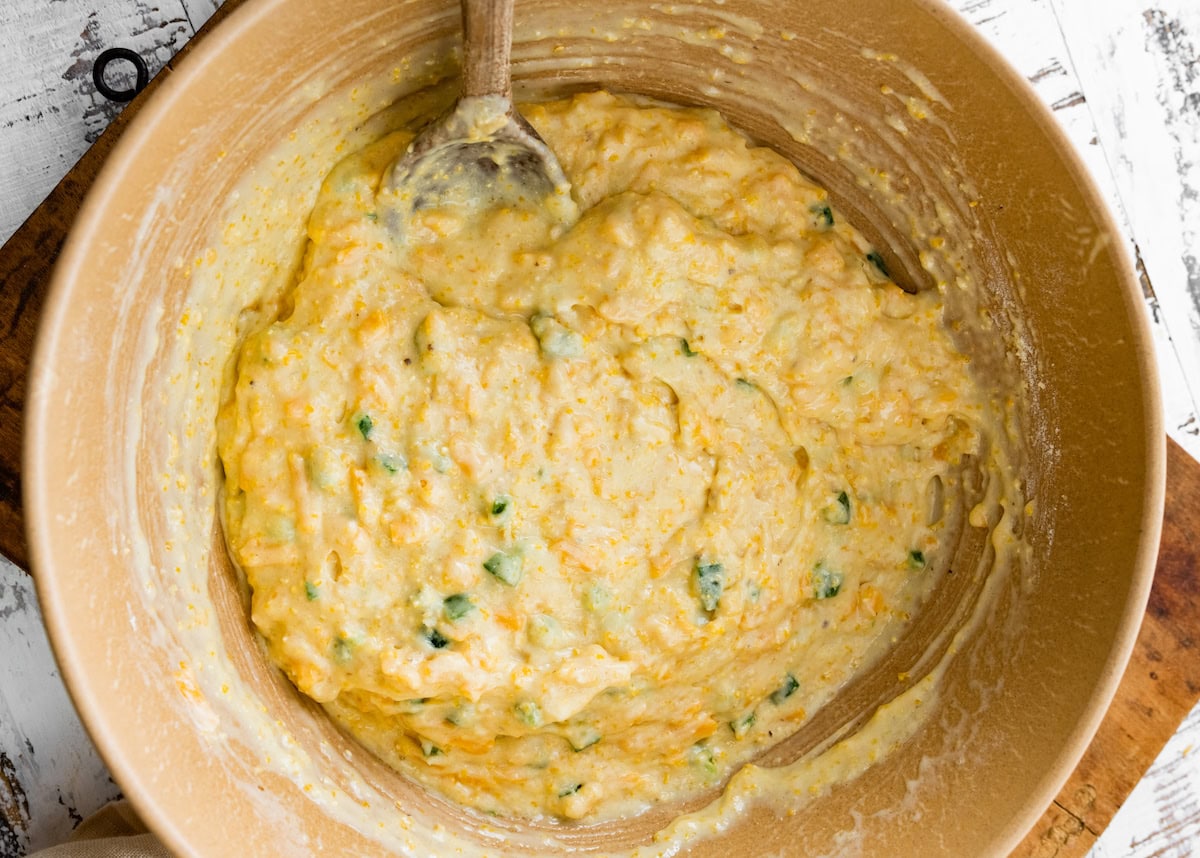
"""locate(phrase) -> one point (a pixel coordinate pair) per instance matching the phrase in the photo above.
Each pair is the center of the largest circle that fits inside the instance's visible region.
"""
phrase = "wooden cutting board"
(1160, 686)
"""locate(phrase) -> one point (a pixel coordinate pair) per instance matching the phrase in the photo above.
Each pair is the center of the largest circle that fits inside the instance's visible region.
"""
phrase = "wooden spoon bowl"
(482, 153)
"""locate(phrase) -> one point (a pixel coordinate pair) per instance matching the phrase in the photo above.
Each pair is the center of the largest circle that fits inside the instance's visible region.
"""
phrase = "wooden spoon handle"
(487, 47)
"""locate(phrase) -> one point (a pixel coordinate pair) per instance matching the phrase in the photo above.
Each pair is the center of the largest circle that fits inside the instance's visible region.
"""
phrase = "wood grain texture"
(1161, 818)
(51, 777)
(1160, 686)
(487, 47)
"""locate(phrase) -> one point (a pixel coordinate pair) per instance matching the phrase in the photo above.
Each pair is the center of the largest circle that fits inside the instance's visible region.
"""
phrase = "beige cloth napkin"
(114, 831)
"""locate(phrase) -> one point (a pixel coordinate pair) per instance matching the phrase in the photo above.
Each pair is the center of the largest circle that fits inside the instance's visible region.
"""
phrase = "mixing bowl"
(921, 134)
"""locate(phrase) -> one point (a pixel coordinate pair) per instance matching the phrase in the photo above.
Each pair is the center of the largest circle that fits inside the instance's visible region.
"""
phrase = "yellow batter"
(569, 522)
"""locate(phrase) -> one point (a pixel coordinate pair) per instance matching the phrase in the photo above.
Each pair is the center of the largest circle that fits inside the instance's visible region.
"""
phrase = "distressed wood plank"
(1049, 42)
(51, 112)
(1162, 817)
(199, 11)
(50, 775)
(1149, 135)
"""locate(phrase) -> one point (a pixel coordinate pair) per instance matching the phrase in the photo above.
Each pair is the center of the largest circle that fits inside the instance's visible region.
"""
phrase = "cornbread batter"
(569, 521)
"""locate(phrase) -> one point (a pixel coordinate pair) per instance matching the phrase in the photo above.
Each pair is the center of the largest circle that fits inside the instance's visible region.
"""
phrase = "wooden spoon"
(482, 153)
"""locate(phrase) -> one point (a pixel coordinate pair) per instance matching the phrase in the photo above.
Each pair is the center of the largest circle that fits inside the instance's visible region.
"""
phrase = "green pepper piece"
(505, 568)
(710, 584)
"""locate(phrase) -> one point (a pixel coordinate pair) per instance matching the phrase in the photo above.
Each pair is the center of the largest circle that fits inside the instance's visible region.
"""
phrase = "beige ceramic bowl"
(914, 124)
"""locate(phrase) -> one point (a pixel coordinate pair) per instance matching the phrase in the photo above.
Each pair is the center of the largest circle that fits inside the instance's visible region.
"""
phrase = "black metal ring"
(111, 55)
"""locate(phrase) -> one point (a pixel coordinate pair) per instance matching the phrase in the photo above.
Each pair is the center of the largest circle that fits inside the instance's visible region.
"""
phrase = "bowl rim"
(38, 495)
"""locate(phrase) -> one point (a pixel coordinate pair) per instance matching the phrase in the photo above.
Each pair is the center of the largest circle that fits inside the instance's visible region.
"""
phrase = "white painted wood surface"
(50, 774)
(1122, 77)
(50, 111)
